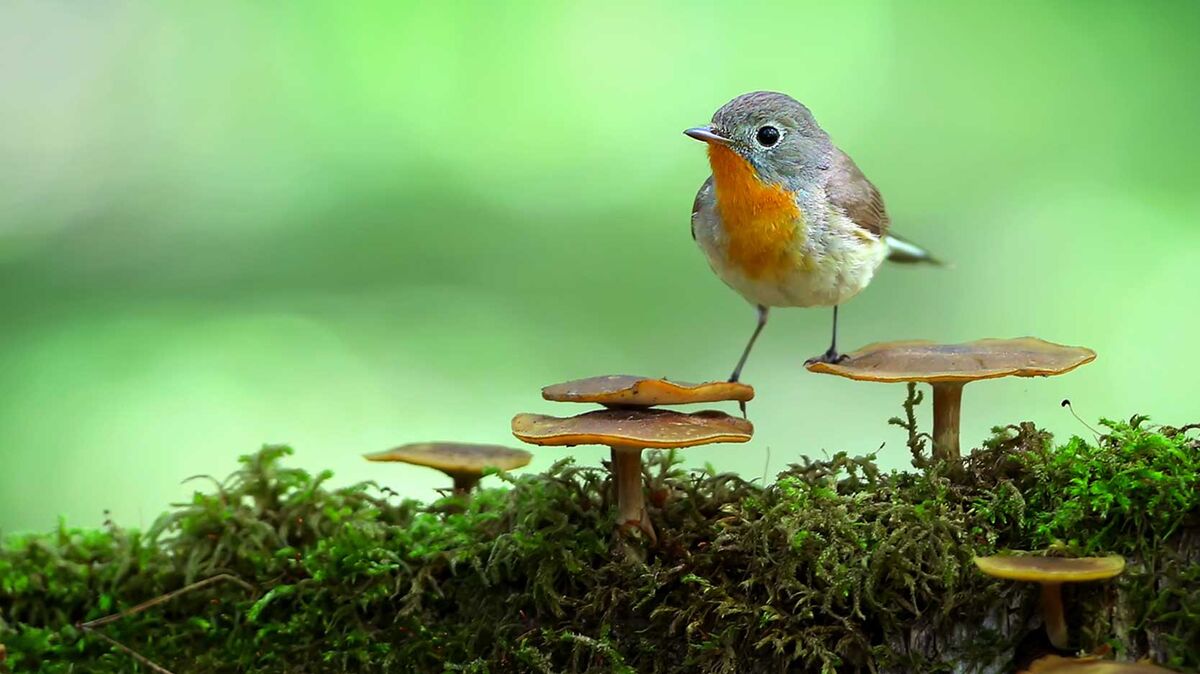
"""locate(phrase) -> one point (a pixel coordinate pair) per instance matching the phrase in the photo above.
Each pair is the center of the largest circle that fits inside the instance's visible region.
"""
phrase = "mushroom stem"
(947, 409)
(1052, 610)
(464, 483)
(631, 502)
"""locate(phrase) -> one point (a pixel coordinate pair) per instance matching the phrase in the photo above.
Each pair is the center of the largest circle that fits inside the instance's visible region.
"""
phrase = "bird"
(786, 218)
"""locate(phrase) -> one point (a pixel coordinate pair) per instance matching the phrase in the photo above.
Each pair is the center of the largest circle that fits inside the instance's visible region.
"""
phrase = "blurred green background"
(350, 225)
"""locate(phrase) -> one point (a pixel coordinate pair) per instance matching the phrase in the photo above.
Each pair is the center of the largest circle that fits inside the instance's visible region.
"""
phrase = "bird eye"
(768, 136)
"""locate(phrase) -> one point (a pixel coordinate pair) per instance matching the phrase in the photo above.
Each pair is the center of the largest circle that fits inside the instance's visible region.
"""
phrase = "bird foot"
(831, 357)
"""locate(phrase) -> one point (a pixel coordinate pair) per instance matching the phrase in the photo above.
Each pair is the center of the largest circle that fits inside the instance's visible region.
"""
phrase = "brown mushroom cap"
(631, 390)
(1055, 664)
(455, 457)
(1052, 569)
(924, 361)
(644, 428)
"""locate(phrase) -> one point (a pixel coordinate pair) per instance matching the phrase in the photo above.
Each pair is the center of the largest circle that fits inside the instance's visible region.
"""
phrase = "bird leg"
(737, 371)
(831, 356)
(762, 323)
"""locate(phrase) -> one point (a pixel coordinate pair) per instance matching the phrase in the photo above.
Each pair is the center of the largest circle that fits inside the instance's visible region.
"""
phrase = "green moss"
(836, 567)
(1124, 494)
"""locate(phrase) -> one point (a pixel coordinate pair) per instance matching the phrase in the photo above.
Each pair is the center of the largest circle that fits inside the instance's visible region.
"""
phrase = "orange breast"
(762, 221)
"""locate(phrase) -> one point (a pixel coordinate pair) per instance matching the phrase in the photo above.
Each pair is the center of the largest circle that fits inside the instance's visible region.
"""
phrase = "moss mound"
(836, 567)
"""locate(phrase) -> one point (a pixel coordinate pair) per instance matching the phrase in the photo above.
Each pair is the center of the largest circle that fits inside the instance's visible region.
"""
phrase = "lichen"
(835, 567)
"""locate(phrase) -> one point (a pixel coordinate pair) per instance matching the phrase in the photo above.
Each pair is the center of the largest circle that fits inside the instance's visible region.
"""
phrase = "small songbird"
(786, 218)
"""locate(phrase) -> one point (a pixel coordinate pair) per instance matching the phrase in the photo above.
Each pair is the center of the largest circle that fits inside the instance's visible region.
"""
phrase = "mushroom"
(464, 462)
(624, 390)
(1051, 573)
(627, 432)
(1056, 664)
(950, 367)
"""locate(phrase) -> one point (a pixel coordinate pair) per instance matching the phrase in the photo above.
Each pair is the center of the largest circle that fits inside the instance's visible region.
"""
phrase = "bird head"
(771, 134)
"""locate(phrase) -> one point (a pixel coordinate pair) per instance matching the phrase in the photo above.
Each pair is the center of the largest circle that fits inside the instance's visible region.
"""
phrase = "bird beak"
(705, 133)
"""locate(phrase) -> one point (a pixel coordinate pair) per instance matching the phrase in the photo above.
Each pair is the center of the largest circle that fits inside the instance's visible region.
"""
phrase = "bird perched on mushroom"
(786, 218)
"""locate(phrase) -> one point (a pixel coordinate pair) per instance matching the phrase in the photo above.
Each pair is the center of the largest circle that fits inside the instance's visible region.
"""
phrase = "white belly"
(839, 260)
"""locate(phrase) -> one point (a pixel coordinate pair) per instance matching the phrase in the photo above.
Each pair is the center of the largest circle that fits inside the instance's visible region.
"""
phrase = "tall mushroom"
(627, 432)
(1051, 573)
(464, 462)
(950, 367)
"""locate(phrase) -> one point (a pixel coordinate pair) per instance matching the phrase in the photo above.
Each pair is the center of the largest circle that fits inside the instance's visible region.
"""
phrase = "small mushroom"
(1051, 573)
(950, 367)
(627, 432)
(1056, 664)
(624, 390)
(464, 462)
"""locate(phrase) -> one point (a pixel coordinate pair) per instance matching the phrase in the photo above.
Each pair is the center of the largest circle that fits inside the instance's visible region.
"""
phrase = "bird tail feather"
(904, 251)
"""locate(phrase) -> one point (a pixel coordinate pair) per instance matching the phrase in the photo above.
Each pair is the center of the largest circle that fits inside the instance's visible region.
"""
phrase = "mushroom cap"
(640, 428)
(925, 361)
(631, 390)
(455, 457)
(1052, 569)
(1056, 664)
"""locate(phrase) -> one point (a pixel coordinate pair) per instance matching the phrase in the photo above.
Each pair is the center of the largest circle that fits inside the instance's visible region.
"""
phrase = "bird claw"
(831, 357)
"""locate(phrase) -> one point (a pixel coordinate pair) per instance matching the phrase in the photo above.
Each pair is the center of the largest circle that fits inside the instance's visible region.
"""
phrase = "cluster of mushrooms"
(629, 423)
(631, 420)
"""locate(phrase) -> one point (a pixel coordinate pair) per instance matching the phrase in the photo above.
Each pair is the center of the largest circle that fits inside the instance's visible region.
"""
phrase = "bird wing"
(849, 189)
(704, 193)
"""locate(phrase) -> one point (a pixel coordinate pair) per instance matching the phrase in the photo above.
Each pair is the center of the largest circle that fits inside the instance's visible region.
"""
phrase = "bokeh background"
(350, 225)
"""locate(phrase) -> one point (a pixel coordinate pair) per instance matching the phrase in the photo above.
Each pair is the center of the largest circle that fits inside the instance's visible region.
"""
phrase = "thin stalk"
(464, 483)
(631, 501)
(1052, 609)
(947, 413)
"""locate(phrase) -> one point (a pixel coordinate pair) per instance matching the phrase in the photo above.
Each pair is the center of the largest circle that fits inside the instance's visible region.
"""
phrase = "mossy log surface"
(834, 567)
